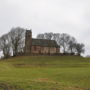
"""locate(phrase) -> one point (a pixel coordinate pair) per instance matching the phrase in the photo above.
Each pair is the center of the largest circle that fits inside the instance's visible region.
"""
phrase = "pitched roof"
(44, 43)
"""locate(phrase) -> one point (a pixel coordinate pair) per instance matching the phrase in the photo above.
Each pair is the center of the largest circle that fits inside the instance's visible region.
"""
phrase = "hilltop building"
(40, 46)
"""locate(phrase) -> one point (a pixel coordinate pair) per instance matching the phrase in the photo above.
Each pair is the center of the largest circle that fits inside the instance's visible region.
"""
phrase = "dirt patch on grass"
(44, 80)
(4, 86)
(49, 65)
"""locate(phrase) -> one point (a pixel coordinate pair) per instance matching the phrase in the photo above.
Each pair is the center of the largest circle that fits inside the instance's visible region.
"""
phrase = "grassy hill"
(45, 73)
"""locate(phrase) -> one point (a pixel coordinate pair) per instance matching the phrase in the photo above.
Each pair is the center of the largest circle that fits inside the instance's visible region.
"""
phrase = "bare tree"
(40, 36)
(80, 48)
(64, 42)
(47, 36)
(17, 37)
(56, 37)
(72, 45)
(5, 45)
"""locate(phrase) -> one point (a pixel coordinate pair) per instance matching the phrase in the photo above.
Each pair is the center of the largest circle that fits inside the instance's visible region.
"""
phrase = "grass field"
(45, 73)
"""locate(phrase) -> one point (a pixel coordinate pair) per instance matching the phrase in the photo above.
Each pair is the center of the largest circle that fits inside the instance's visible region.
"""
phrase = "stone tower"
(28, 41)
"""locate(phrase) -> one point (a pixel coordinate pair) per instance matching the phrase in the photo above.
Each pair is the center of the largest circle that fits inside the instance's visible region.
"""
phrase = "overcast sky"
(58, 16)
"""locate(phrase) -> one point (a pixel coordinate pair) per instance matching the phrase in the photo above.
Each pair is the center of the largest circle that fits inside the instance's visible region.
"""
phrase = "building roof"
(44, 43)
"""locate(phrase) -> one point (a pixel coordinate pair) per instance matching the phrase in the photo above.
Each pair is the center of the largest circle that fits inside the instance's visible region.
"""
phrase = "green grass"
(45, 73)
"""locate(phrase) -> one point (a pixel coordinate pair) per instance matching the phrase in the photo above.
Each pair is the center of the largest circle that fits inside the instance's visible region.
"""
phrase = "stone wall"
(28, 41)
(44, 50)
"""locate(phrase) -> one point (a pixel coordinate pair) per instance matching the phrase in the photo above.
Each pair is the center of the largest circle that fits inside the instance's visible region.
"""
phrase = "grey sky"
(61, 16)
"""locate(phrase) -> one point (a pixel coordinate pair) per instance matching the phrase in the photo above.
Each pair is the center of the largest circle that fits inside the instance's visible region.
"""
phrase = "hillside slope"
(45, 73)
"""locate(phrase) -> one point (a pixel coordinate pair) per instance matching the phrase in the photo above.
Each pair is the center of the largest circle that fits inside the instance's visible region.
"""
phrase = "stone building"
(40, 46)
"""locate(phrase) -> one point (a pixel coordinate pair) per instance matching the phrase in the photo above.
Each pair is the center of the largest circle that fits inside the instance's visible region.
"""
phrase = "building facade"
(40, 46)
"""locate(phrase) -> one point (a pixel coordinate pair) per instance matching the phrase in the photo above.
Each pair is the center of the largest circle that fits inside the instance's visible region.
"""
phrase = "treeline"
(68, 44)
(13, 43)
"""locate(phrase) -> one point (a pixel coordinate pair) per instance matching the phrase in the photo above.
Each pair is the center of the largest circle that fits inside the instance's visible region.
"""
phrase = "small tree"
(64, 42)
(5, 45)
(80, 48)
(72, 45)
